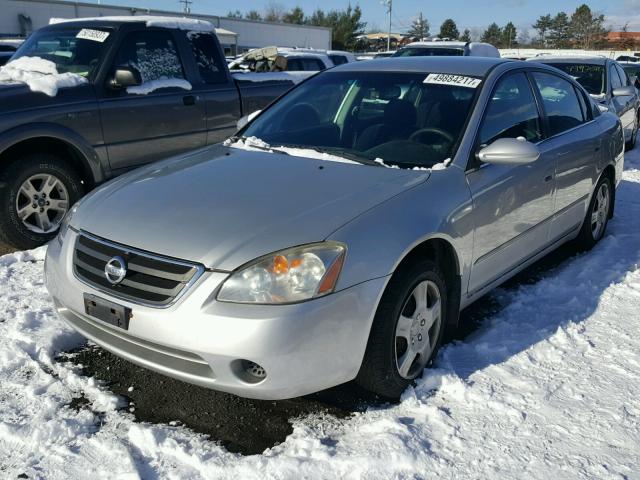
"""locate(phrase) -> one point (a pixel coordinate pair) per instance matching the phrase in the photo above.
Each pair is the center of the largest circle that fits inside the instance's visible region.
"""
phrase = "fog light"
(254, 370)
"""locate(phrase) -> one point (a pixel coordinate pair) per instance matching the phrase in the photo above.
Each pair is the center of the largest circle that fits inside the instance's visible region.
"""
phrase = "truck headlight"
(288, 276)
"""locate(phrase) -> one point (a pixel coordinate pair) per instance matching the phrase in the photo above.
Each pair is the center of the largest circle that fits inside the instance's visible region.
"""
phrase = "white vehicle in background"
(340, 57)
(278, 59)
(448, 48)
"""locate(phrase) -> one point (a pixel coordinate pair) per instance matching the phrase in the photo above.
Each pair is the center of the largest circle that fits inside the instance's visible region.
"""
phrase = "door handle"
(189, 100)
(548, 178)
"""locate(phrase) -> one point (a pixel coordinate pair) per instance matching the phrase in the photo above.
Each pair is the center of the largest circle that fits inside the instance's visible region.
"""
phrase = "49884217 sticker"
(455, 80)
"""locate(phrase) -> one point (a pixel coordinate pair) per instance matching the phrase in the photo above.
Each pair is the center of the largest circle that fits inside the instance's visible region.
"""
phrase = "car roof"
(474, 66)
(593, 60)
(181, 23)
(443, 44)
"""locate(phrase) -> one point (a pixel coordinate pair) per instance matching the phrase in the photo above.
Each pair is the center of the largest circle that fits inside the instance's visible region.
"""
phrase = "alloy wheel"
(600, 211)
(418, 329)
(42, 202)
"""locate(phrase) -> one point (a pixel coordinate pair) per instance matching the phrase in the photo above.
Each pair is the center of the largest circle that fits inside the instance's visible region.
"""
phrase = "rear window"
(205, 51)
(429, 52)
(591, 77)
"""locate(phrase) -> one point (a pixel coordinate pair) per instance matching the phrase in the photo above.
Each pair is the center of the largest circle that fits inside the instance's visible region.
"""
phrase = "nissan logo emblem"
(115, 270)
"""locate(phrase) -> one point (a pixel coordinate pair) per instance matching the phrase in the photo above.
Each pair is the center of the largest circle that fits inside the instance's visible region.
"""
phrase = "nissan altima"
(338, 235)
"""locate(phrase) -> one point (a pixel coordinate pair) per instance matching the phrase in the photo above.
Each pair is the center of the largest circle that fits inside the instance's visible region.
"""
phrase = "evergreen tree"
(419, 27)
(509, 35)
(466, 36)
(543, 25)
(587, 29)
(559, 33)
(236, 14)
(493, 35)
(449, 29)
(253, 15)
(294, 16)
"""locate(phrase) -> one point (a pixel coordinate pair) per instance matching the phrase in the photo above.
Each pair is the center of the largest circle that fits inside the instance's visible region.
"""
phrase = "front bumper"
(303, 348)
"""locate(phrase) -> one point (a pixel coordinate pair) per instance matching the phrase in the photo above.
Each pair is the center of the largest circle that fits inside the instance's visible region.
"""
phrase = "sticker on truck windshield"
(95, 35)
(455, 80)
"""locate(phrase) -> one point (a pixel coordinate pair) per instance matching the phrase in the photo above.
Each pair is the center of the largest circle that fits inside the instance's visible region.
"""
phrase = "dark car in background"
(82, 101)
(608, 84)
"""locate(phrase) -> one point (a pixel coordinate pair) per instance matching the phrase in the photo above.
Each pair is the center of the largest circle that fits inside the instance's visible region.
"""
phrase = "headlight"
(289, 276)
(64, 225)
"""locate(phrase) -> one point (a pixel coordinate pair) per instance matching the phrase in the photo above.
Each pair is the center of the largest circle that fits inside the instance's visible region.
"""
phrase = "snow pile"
(181, 23)
(162, 82)
(41, 75)
(546, 388)
(294, 77)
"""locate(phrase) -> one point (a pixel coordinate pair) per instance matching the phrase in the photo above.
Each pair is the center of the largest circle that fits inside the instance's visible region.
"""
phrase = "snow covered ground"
(547, 388)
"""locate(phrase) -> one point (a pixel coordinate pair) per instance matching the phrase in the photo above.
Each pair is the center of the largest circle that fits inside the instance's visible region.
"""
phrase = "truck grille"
(150, 279)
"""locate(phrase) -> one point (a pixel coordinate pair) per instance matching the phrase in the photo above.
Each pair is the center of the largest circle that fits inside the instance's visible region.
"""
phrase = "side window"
(615, 78)
(338, 59)
(205, 51)
(511, 112)
(312, 65)
(153, 53)
(294, 65)
(561, 104)
(623, 75)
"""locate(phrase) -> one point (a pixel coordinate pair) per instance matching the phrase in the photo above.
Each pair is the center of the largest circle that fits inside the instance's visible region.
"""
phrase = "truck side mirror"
(124, 77)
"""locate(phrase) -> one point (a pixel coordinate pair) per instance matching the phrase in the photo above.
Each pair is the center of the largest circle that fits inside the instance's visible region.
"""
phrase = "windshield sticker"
(455, 80)
(95, 35)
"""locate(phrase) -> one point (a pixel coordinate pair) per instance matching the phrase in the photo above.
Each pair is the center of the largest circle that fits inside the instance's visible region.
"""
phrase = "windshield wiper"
(346, 153)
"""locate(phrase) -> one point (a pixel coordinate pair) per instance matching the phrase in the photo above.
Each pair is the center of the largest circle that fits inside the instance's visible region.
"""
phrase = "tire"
(380, 371)
(35, 174)
(630, 145)
(597, 217)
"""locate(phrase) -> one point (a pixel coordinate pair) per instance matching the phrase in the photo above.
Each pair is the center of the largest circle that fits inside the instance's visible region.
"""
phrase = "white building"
(21, 17)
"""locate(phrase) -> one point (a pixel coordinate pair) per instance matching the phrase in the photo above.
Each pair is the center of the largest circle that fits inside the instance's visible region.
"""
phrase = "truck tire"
(407, 329)
(36, 192)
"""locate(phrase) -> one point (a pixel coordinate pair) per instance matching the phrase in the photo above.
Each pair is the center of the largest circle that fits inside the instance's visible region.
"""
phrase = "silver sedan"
(338, 235)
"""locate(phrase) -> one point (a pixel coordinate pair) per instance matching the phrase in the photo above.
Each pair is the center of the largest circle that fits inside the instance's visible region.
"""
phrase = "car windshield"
(404, 119)
(429, 52)
(74, 49)
(590, 76)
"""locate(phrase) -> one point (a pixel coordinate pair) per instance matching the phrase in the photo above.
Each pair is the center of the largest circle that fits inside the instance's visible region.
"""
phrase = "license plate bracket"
(109, 312)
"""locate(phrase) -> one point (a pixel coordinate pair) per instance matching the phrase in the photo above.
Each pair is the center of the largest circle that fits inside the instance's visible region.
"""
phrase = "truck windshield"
(429, 52)
(74, 49)
(590, 76)
(404, 119)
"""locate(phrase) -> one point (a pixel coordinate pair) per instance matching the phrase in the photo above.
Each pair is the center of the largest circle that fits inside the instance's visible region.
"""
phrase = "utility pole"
(389, 4)
(186, 5)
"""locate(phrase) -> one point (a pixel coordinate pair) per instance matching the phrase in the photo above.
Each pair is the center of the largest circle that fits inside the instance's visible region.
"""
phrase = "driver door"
(512, 204)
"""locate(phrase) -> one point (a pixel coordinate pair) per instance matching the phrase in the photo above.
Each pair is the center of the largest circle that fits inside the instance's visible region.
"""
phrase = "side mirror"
(509, 151)
(124, 77)
(623, 91)
(242, 121)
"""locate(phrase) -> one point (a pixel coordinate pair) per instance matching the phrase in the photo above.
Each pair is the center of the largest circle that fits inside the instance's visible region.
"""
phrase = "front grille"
(150, 279)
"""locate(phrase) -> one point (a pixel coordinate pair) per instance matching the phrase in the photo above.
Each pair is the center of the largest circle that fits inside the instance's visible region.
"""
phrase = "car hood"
(223, 207)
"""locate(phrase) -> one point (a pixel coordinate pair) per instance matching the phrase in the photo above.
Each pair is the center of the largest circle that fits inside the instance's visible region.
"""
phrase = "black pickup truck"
(142, 90)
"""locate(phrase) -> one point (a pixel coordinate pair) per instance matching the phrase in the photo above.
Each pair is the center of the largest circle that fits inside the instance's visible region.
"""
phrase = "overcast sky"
(468, 14)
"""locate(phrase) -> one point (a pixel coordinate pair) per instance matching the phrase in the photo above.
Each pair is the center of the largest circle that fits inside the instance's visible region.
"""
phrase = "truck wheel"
(595, 222)
(407, 329)
(35, 193)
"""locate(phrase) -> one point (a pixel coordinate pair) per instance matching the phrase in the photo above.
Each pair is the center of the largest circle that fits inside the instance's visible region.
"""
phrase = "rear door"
(512, 204)
(574, 142)
(155, 120)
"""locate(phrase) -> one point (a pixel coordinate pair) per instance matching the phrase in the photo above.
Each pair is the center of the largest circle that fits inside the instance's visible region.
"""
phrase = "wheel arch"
(54, 139)
(442, 251)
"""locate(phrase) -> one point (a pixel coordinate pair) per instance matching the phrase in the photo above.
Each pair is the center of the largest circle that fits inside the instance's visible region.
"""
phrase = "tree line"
(346, 25)
(582, 29)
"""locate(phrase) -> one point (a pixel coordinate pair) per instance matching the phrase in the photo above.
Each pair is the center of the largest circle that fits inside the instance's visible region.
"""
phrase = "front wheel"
(407, 329)
(595, 222)
(37, 192)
